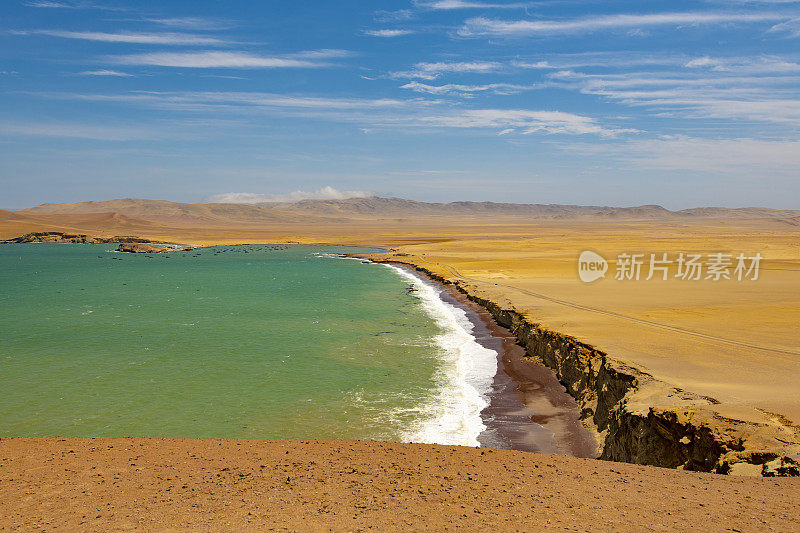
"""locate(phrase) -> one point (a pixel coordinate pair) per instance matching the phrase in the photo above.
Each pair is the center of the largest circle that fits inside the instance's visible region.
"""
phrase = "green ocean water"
(248, 341)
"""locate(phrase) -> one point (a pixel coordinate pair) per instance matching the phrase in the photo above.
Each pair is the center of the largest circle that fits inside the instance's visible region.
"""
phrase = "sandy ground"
(224, 485)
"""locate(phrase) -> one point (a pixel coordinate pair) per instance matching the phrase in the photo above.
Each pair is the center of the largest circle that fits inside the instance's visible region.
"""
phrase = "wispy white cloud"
(730, 157)
(754, 1)
(325, 193)
(388, 33)
(128, 37)
(458, 89)
(217, 59)
(525, 122)
(704, 61)
(62, 4)
(194, 23)
(49, 4)
(459, 66)
(416, 114)
(484, 26)
(791, 27)
(761, 89)
(431, 71)
(466, 4)
(764, 64)
(615, 60)
(325, 53)
(226, 101)
(74, 131)
(106, 73)
(399, 15)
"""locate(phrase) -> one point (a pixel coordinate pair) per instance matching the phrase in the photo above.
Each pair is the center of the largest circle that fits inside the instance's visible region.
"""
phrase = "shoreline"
(626, 406)
(617, 400)
(529, 410)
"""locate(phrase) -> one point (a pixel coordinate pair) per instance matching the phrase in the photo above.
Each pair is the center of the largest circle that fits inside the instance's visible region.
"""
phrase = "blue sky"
(612, 103)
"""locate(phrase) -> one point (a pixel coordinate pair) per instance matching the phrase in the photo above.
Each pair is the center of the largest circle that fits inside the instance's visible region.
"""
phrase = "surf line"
(466, 373)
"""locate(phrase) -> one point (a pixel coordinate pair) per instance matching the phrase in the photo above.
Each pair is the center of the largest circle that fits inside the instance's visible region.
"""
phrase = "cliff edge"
(636, 417)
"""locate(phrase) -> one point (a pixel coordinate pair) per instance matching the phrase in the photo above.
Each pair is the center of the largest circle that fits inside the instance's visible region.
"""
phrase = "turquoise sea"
(248, 341)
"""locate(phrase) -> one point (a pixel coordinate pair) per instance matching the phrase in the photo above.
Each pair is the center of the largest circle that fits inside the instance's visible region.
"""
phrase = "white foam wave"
(453, 415)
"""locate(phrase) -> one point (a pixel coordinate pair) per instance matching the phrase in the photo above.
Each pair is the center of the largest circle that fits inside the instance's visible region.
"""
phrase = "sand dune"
(15, 223)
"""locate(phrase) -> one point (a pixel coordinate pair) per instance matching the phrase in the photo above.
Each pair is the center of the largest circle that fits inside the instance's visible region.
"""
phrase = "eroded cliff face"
(639, 419)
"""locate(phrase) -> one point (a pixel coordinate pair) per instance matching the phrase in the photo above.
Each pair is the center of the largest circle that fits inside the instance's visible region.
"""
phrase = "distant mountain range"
(378, 208)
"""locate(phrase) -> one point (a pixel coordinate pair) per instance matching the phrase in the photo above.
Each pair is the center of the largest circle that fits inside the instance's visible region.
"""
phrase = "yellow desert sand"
(695, 375)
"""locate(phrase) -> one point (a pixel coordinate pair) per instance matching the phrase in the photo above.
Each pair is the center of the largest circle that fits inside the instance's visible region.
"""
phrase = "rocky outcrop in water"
(140, 248)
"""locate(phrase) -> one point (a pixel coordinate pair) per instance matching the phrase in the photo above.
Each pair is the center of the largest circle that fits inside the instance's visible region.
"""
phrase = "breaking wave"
(452, 415)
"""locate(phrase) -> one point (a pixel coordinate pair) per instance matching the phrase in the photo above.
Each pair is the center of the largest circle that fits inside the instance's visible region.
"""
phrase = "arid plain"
(694, 369)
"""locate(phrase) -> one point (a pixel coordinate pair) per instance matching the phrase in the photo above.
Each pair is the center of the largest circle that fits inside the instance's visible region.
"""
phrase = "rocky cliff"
(639, 419)
(140, 248)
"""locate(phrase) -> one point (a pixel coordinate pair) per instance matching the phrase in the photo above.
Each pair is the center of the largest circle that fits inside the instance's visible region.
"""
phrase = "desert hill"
(15, 223)
(399, 207)
(166, 211)
(378, 208)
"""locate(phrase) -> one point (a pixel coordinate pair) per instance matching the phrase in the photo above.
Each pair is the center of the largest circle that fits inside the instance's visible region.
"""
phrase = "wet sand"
(247, 485)
(529, 410)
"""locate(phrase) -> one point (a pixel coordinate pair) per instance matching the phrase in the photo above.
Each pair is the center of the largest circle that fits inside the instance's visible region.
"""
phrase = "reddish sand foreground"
(168, 484)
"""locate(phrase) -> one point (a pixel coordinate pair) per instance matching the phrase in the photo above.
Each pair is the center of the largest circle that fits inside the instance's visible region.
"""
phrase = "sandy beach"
(529, 410)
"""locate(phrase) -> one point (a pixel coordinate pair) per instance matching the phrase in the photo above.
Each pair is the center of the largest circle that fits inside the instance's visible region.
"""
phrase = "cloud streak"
(388, 33)
(219, 59)
(791, 28)
(525, 122)
(448, 5)
(54, 4)
(431, 71)
(462, 90)
(481, 26)
(759, 89)
(417, 114)
(731, 157)
(227, 101)
(193, 23)
(104, 72)
(74, 131)
(129, 37)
